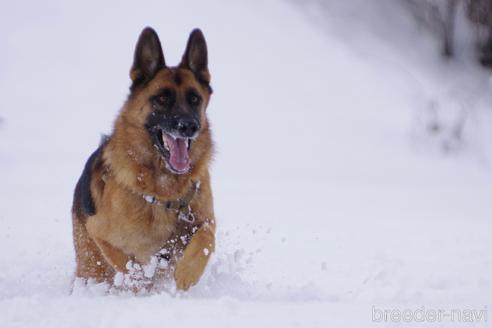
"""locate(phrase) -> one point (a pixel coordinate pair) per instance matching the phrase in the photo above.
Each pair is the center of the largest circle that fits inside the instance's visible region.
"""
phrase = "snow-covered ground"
(334, 191)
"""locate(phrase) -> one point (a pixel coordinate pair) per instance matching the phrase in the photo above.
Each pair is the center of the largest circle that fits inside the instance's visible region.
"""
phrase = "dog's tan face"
(172, 100)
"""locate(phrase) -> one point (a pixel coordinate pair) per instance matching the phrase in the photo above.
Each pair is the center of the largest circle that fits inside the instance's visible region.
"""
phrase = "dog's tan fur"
(127, 228)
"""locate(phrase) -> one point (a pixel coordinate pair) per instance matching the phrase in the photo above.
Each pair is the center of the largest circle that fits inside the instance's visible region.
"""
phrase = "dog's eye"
(162, 100)
(194, 100)
(165, 98)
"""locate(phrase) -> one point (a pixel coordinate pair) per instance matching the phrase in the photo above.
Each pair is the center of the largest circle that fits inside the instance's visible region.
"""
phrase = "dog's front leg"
(191, 265)
(114, 256)
(131, 274)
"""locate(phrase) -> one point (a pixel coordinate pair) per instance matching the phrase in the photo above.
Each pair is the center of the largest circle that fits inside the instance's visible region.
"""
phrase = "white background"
(331, 195)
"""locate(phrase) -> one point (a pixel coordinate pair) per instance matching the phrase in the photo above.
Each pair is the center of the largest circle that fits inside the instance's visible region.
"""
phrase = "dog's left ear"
(195, 57)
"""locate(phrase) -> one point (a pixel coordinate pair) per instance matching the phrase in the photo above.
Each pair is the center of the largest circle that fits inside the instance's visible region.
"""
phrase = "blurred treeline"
(441, 17)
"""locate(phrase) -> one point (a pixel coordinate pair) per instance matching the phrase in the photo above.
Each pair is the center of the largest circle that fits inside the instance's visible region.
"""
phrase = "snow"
(331, 193)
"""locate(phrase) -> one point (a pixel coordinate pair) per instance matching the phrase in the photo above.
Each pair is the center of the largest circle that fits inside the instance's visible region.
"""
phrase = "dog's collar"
(181, 205)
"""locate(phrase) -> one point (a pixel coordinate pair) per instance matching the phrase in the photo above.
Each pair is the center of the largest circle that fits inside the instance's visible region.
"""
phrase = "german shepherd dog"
(145, 192)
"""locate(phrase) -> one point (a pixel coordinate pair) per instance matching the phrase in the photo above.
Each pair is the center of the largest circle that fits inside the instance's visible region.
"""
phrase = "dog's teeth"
(164, 142)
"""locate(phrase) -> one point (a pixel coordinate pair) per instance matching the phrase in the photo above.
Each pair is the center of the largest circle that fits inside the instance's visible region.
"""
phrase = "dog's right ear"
(148, 58)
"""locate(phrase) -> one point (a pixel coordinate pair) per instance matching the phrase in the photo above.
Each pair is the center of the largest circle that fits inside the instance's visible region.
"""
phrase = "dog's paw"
(190, 268)
(195, 257)
(185, 276)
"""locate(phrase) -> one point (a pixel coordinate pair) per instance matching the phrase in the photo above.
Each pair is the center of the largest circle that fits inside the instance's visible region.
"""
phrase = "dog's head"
(170, 102)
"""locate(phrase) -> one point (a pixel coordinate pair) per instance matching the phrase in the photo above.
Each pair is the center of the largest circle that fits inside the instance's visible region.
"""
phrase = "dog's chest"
(147, 231)
(136, 227)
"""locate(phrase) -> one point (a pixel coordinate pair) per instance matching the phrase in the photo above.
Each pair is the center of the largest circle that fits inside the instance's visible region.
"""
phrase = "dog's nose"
(187, 127)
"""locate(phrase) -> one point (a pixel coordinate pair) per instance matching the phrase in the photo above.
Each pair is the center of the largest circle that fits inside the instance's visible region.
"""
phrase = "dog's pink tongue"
(178, 151)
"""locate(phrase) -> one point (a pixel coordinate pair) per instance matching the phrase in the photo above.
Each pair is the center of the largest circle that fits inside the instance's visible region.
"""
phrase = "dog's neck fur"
(140, 169)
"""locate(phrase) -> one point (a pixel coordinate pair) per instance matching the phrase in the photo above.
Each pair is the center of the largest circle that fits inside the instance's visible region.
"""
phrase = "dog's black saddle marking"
(83, 202)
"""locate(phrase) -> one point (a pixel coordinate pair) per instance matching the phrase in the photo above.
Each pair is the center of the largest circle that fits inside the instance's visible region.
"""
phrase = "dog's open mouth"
(175, 151)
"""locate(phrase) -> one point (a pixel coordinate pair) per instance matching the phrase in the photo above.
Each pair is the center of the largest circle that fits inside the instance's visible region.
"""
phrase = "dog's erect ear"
(148, 58)
(195, 57)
